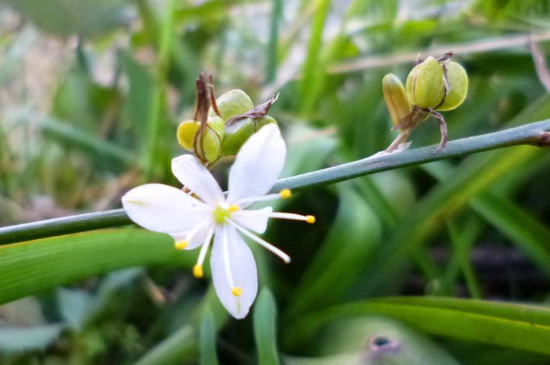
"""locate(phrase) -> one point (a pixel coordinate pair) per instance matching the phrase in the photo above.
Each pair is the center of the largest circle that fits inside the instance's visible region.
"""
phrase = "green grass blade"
(159, 91)
(354, 235)
(265, 328)
(182, 345)
(207, 339)
(527, 232)
(462, 241)
(273, 45)
(94, 147)
(312, 69)
(34, 266)
(518, 326)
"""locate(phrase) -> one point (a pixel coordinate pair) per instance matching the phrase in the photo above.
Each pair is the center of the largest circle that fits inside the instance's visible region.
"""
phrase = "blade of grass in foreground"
(265, 328)
(31, 267)
(207, 339)
(518, 326)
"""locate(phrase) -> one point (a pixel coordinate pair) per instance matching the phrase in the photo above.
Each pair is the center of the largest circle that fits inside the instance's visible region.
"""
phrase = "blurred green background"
(92, 91)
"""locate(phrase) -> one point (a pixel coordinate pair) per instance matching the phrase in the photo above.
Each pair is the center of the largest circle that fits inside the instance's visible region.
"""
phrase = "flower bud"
(396, 99)
(458, 84)
(186, 133)
(425, 84)
(232, 103)
(237, 133)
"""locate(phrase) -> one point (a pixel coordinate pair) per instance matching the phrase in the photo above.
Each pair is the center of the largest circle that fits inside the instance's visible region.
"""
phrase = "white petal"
(197, 238)
(162, 208)
(258, 164)
(194, 176)
(242, 267)
(255, 220)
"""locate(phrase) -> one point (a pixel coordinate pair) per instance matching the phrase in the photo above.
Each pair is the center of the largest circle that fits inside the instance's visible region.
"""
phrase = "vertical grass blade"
(311, 65)
(265, 328)
(207, 339)
(273, 45)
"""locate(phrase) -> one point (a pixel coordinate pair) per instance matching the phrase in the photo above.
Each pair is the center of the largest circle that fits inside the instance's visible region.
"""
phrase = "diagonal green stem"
(535, 134)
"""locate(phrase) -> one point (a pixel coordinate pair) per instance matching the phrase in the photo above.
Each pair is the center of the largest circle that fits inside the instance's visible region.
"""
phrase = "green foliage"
(518, 326)
(265, 328)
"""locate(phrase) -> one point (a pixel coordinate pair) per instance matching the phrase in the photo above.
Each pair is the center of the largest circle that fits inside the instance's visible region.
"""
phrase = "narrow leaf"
(265, 328)
(207, 339)
(523, 327)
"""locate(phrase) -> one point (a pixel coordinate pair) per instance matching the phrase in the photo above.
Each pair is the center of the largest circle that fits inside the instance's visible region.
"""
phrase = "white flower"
(193, 221)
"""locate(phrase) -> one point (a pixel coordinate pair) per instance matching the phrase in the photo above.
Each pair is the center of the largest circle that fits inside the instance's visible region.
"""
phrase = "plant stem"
(535, 134)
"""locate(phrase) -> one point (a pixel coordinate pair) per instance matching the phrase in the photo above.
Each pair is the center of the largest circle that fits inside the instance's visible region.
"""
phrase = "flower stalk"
(535, 134)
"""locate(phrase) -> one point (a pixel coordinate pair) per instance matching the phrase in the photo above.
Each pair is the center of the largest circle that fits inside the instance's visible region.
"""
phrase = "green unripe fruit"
(186, 133)
(211, 141)
(237, 133)
(458, 83)
(232, 103)
(396, 99)
(425, 85)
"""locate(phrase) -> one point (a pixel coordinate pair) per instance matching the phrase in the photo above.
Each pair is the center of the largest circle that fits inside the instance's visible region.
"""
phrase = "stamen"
(297, 217)
(198, 271)
(237, 291)
(285, 193)
(180, 245)
(256, 199)
(262, 242)
(202, 254)
(233, 208)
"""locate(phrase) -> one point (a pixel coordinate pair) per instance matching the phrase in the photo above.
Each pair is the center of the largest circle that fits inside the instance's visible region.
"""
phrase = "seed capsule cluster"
(432, 85)
(221, 125)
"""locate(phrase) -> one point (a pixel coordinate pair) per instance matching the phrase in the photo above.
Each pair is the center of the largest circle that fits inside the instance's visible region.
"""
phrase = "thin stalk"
(535, 134)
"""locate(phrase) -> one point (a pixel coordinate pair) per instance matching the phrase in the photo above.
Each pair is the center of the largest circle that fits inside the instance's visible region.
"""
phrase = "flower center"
(222, 212)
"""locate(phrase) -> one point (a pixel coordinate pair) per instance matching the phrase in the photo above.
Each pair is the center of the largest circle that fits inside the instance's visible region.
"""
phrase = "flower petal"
(258, 164)
(162, 208)
(242, 269)
(194, 176)
(255, 220)
(198, 236)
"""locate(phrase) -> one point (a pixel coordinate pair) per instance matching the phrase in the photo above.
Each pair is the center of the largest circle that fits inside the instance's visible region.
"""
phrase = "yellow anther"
(310, 219)
(233, 208)
(198, 272)
(285, 193)
(180, 245)
(237, 291)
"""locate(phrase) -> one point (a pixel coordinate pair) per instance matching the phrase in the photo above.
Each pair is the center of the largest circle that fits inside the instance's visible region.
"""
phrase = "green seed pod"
(186, 133)
(232, 103)
(211, 140)
(458, 84)
(425, 85)
(237, 133)
(396, 99)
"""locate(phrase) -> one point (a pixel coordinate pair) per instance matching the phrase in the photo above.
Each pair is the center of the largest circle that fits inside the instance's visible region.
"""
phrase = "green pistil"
(220, 214)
